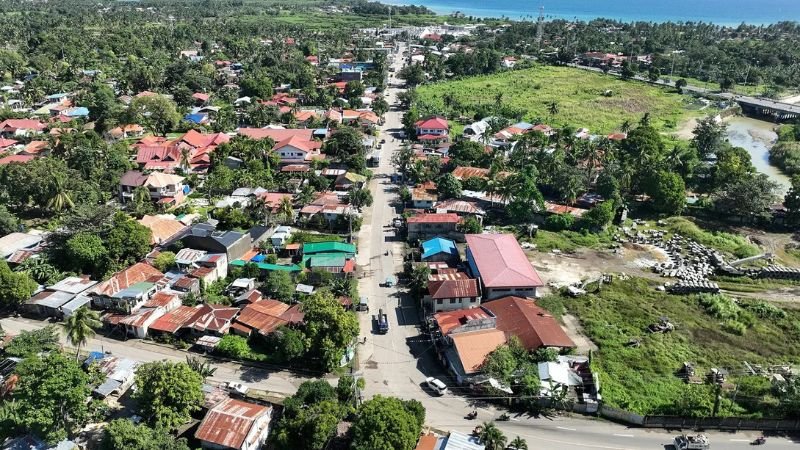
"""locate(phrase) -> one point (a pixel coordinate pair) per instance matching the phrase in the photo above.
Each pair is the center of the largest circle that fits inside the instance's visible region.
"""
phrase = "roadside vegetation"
(640, 371)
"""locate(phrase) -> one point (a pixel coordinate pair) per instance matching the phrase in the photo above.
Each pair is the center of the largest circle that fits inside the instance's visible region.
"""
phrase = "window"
(452, 301)
(439, 301)
(473, 300)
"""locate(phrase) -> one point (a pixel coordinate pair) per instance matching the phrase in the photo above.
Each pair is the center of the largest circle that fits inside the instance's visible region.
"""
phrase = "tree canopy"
(168, 393)
(387, 423)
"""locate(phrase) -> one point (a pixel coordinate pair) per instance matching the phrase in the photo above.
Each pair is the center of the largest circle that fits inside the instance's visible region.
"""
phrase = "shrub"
(764, 310)
(559, 222)
(734, 327)
(234, 346)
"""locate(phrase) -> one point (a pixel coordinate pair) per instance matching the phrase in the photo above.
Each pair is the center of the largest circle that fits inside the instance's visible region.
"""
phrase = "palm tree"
(80, 327)
(626, 126)
(203, 368)
(285, 209)
(185, 159)
(61, 198)
(492, 437)
(552, 109)
(518, 444)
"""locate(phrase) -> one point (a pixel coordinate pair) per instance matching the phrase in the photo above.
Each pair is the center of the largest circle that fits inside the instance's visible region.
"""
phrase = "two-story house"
(434, 130)
(426, 225)
(165, 189)
(127, 290)
(451, 294)
(296, 150)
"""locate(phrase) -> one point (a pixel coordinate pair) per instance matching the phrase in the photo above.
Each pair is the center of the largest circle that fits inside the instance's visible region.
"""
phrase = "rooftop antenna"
(540, 28)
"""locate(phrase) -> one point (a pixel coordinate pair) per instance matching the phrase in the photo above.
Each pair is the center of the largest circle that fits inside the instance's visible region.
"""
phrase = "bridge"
(777, 111)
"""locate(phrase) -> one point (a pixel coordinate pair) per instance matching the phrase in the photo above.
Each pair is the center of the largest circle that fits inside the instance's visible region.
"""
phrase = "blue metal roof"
(438, 245)
(195, 118)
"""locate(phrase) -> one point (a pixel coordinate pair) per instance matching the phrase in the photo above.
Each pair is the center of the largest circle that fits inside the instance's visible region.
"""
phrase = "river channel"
(757, 137)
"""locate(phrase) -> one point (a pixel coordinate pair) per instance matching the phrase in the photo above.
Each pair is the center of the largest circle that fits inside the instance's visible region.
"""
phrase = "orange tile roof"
(435, 218)
(474, 346)
(162, 228)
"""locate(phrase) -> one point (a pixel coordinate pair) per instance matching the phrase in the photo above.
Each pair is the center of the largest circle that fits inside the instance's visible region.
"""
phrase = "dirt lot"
(559, 270)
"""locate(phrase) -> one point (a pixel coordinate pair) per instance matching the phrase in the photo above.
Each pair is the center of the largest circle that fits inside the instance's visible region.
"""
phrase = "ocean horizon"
(721, 12)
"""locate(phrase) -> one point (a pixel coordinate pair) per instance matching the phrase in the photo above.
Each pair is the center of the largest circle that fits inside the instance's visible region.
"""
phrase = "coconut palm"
(491, 437)
(285, 209)
(626, 126)
(185, 154)
(203, 368)
(61, 198)
(80, 327)
(518, 444)
(552, 109)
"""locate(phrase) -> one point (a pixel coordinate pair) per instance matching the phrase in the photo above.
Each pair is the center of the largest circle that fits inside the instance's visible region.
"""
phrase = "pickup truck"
(691, 442)
(383, 322)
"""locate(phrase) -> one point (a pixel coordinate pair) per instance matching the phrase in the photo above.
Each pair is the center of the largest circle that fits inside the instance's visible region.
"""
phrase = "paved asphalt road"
(398, 362)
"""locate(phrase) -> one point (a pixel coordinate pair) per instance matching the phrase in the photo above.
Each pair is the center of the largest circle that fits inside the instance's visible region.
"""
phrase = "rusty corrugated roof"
(229, 423)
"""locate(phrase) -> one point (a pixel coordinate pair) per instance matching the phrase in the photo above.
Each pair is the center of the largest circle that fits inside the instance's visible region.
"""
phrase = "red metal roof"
(501, 261)
(214, 318)
(229, 423)
(434, 123)
(264, 316)
(450, 320)
(160, 299)
(21, 159)
(174, 320)
(434, 218)
(123, 279)
(533, 325)
(276, 135)
(464, 287)
(463, 172)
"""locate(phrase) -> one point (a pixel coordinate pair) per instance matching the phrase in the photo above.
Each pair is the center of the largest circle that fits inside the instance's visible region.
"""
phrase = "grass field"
(579, 95)
(714, 332)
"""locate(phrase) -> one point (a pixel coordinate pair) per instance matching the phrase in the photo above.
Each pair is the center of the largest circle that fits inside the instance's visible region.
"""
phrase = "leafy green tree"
(30, 343)
(468, 153)
(380, 106)
(51, 392)
(164, 261)
(748, 196)
(233, 346)
(359, 197)
(346, 141)
(156, 112)
(418, 284)
(15, 287)
(257, 84)
(141, 203)
(353, 90)
(280, 286)
(80, 328)
(124, 434)
(733, 163)
(386, 423)
(448, 186)
(470, 225)
(290, 344)
(9, 223)
(680, 84)
(128, 241)
(88, 252)
(559, 222)
(792, 202)
(709, 135)
(492, 437)
(168, 393)
(309, 417)
(41, 270)
(328, 328)
(627, 71)
(668, 192)
(598, 217)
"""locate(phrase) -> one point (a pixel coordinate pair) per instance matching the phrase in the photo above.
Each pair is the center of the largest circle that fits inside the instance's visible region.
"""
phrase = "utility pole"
(390, 17)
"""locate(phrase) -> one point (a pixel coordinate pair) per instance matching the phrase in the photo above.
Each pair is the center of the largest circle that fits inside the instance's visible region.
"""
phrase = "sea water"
(722, 12)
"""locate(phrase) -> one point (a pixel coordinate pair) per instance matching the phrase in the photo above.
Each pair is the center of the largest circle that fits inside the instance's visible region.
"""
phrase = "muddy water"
(757, 137)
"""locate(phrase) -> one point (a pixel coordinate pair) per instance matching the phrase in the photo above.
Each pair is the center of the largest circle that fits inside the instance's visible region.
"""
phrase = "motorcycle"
(504, 417)
(473, 415)
(761, 440)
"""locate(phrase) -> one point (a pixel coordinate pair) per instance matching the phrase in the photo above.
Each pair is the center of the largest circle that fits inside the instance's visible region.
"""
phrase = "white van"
(436, 385)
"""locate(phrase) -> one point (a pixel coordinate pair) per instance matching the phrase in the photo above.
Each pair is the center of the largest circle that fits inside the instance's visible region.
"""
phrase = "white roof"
(75, 303)
(460, 441)
(73, 285)
(18, 241)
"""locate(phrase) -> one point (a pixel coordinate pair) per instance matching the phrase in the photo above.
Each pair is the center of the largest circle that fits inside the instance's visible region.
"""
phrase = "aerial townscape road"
(396, 363)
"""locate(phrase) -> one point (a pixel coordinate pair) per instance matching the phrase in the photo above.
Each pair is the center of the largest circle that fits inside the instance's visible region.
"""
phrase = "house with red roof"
(533, 325)
(265, 316)
(429, 225)
(192, 151)
(165, 189)
(434, 130)
(200, 98)
(296, 150)
(16, 159)
(235, 425)
(21, 127)
(501, 265)
(450, 294)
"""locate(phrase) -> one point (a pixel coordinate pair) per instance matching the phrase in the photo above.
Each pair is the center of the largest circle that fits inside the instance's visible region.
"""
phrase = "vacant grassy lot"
(579, 95)
(711, 331)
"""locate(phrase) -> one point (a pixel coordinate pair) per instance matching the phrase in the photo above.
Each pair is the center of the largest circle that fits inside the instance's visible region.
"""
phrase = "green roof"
(328, 247)
(327, 260)
(267, 266)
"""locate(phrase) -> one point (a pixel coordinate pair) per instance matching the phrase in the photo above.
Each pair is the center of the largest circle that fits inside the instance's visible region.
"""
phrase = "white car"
(239, 388)
(436, 385)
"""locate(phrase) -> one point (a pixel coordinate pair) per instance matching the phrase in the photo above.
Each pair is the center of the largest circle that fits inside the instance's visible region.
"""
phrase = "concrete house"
(440, 250)
(501, 265)
(165, 189)
(425, 225)
(127, 290)
(204, 236)
(447, 295)
(235, 425)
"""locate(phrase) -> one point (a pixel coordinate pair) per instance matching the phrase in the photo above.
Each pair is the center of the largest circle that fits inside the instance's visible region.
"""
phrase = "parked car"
(362, 304)
(238, 388)
(436, 385)
(691, 442)
(383, 322)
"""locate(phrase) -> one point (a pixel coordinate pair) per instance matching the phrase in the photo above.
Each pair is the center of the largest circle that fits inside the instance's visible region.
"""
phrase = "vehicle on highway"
(238, 388)
(691, 442)
(362, 304)
(383, 322)
(436, 385)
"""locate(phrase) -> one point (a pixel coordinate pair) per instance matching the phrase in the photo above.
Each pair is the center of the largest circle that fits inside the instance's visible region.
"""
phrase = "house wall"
(420, 230)
(433, 131)
(519, 291)
(290, 153)
(450, 304)
(422, 204)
